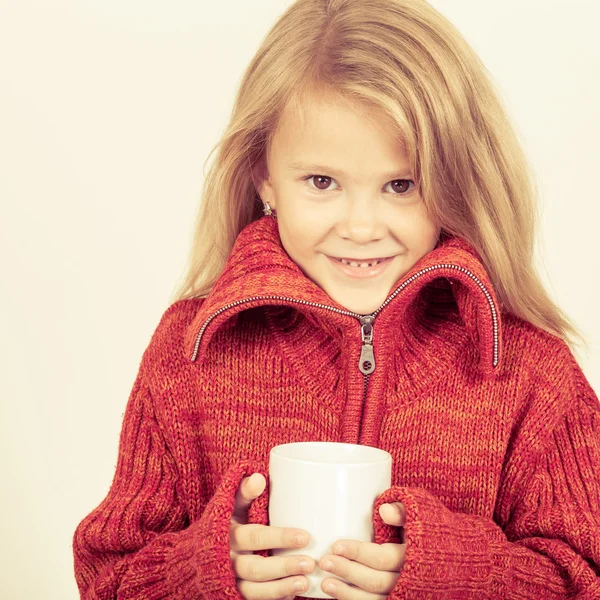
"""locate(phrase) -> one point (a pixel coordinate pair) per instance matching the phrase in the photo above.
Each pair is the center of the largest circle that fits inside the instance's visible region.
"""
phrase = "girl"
(387, 298)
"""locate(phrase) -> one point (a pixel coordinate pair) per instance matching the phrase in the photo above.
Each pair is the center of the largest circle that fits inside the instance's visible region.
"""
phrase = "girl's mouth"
(359, 269)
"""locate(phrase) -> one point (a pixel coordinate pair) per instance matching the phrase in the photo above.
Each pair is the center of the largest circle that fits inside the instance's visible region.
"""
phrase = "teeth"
(363, 265)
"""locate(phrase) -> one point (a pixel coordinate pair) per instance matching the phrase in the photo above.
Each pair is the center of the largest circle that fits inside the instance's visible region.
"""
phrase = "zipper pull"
(366, 363)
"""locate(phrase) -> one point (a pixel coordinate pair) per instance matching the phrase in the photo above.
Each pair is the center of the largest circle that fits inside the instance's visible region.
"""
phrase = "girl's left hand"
(372, 568)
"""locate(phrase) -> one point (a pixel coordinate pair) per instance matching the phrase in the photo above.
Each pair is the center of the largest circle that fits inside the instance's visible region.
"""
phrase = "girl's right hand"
(259, 577)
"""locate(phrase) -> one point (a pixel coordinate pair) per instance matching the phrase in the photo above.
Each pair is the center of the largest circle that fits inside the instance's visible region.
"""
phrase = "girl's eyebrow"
(300, 166)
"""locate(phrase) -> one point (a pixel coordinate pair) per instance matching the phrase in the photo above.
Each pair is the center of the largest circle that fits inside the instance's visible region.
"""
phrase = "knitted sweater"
(493, 429)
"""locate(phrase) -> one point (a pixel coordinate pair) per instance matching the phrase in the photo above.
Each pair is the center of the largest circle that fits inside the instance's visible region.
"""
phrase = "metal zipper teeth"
(357, 316)
(469, 274)
(245, 300)
(365, 388)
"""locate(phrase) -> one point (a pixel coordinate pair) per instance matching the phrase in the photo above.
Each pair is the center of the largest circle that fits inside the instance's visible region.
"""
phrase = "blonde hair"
(407, 61)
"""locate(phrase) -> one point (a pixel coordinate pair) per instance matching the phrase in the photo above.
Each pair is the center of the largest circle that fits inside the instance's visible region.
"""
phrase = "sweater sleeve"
(547, 544)
(138, 543)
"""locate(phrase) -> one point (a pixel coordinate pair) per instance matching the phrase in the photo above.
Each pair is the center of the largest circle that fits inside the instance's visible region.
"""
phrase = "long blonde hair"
(404, 58)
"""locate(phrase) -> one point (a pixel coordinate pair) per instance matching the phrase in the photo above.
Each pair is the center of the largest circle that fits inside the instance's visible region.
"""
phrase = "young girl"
(386, 298)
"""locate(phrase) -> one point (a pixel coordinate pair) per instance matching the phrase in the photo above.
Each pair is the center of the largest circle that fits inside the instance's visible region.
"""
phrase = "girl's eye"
(400, 186)
(322, 180)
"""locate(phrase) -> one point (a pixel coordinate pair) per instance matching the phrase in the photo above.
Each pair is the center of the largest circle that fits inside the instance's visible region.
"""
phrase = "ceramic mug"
(328, 489)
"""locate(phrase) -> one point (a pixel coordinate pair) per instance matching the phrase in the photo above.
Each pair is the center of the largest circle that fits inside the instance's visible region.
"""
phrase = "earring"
(268, 211)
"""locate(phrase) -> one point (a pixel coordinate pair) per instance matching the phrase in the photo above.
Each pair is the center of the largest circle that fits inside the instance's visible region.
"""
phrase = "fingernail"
(339, 549)
(299, 585)
(304, 566)
(328, 566)
(300, 539)
(330, 587)
(392, 506)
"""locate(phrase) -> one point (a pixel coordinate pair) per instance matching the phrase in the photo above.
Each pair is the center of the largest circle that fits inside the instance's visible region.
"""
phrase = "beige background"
(108, 109)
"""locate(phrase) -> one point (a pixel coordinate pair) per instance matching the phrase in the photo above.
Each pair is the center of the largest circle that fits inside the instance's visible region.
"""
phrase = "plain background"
(108, 109)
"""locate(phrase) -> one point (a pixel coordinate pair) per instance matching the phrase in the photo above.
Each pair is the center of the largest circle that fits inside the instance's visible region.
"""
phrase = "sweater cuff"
(447, 553)
(206, 570)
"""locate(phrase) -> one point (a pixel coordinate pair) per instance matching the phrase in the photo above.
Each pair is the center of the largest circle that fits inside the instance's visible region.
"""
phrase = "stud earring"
(268, 211)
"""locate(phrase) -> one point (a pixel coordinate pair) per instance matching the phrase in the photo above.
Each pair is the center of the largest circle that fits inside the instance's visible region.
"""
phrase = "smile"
(358, 268)
(370, 262)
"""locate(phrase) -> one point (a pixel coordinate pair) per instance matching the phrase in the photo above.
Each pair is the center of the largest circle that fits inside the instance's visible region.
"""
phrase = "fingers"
(249, 489)
(381, 557)
(393, 514)
(272, 577)
(247, 538)
(258, 568)
(272, 590)
(379, 583)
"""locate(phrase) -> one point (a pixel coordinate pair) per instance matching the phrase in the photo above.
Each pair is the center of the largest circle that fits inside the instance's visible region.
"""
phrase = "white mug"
(329, 490)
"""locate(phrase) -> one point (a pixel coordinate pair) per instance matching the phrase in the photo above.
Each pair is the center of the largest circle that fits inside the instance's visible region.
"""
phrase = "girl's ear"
(262, 183)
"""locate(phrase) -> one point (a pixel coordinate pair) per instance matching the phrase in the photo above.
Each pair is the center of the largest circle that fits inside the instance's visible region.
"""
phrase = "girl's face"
(341, 185)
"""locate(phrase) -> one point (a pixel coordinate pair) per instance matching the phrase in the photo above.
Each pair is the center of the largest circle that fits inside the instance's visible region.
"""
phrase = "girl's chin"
(361, 306)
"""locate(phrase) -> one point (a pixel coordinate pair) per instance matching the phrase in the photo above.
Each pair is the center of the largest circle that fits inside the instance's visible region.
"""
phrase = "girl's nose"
(360, 221)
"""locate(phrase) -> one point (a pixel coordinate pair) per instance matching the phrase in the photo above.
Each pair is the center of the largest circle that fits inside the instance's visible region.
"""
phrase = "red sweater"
(493, 429)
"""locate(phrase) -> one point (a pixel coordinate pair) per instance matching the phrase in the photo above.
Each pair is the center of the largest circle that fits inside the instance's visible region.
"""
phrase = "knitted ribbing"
(497, 465)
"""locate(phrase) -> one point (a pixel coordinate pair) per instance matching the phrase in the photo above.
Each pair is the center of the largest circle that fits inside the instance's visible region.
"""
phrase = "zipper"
(253, 299)
(366, 363)
(480, 284)
(367, 357)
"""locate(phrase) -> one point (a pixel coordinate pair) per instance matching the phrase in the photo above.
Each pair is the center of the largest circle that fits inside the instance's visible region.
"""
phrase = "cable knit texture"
(493, 429)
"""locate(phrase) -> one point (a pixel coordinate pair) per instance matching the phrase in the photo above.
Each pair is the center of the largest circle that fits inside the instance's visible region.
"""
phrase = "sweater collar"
(259, 272)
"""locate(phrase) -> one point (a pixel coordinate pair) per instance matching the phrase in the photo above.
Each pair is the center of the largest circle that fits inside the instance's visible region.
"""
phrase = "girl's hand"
(273, 577)
(372, 568)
